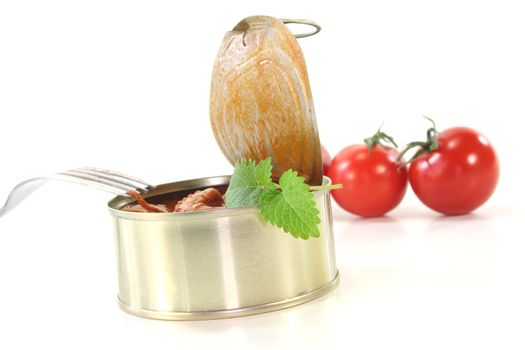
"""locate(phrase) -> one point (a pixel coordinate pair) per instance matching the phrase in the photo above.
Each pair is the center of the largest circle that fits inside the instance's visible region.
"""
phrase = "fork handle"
(21, 192)
(25, 188)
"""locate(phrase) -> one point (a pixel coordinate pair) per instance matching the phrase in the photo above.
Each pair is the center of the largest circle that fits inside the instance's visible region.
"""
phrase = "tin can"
(218, 263)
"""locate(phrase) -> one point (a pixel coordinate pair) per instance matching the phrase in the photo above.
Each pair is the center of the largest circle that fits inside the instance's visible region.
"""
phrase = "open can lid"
(261, 103)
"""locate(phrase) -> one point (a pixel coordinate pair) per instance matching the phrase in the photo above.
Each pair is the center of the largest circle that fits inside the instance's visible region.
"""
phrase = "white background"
(125, 85)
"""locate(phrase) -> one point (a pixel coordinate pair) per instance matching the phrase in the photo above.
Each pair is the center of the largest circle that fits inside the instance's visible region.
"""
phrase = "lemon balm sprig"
(288, 204)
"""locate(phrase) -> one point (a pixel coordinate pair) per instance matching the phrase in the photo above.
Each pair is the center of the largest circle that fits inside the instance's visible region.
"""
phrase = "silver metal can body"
(218, 263)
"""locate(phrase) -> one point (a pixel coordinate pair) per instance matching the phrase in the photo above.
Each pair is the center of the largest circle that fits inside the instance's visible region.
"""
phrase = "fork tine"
(119, 175)
(109, 175)
(90, 182)
(100, 180)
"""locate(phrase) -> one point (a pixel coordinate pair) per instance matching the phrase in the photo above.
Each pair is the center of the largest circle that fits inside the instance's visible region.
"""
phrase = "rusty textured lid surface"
(260, 103)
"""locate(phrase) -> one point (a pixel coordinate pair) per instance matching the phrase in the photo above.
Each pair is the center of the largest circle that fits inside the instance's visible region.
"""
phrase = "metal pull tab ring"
(317, 27)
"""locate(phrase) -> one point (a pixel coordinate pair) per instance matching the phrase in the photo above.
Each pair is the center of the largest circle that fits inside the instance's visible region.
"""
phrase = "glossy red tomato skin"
(327, 160)
(373, 184)
(459, 176)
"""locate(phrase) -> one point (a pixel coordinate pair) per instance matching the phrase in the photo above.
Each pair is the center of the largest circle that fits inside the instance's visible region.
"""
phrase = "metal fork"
(102, 179)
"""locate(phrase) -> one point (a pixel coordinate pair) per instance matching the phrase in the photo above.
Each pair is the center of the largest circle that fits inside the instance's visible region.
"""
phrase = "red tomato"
(373, 183)
(327, 160)
(457, 177)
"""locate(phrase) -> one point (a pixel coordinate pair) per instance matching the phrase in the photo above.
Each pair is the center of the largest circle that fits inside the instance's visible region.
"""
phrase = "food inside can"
(201, 200)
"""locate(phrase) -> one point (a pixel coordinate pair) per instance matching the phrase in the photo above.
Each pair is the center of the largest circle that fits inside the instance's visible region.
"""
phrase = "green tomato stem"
(379, 139)
(427, 146)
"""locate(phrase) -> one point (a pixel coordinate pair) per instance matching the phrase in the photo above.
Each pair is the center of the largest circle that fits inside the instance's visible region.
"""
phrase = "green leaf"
(263, 172)
(249, 182)
(293, 208)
